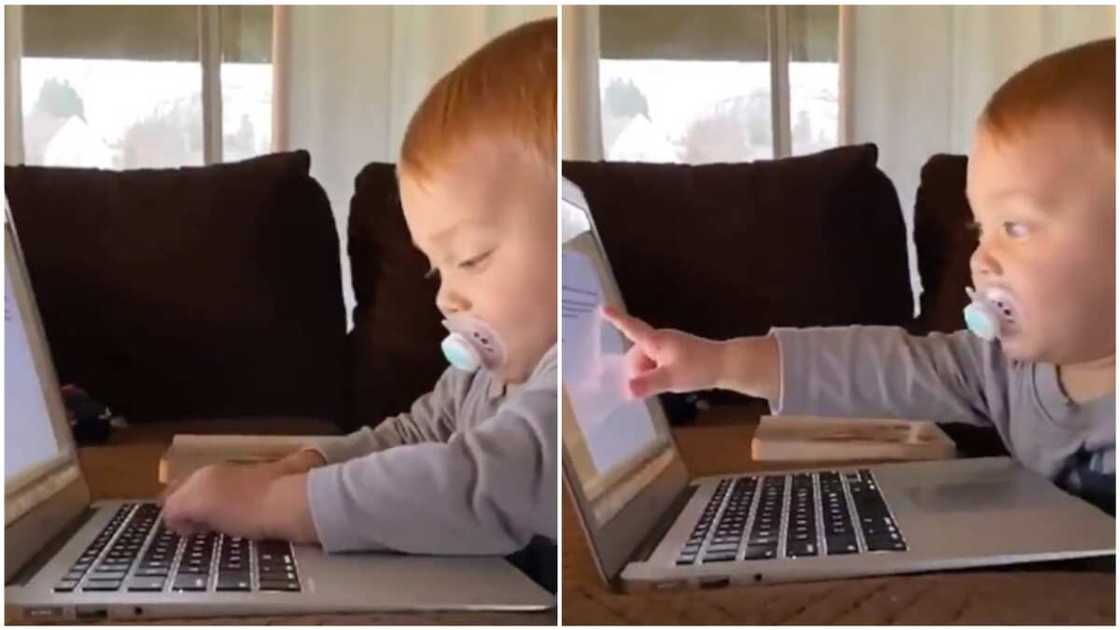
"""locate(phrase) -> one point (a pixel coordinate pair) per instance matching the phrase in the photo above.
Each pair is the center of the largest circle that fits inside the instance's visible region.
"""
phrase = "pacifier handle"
(981, 317)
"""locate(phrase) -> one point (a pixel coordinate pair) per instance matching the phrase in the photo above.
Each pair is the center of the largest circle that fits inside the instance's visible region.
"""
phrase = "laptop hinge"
(668, 517)
(44, 555)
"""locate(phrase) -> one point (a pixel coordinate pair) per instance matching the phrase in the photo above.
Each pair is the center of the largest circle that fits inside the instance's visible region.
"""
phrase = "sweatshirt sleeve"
(487, 490)
(430, 419)
(880, 371)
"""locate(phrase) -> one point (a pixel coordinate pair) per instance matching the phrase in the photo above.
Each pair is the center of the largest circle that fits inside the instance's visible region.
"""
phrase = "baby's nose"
(982, 264)
(449, 301)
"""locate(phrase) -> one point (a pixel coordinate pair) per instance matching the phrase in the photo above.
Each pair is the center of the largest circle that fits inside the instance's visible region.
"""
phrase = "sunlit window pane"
(246, 81)
(814, 77)
(693, 84)
(686, 111)
(246, 110)
(111, 113)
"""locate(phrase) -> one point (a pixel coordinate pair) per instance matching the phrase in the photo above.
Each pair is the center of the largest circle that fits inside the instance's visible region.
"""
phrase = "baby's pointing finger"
(635, 329)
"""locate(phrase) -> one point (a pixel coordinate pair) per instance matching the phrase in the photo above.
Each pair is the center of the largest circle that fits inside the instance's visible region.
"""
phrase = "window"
(246, 81)
(696, 84)
(121, 87)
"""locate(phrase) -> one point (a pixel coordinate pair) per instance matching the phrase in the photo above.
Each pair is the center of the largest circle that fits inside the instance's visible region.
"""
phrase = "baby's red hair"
(504, 90)
(1079, 81)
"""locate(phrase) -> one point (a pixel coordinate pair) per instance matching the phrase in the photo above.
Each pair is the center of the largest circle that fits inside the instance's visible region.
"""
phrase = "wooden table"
(1029, 594)
(126, 468)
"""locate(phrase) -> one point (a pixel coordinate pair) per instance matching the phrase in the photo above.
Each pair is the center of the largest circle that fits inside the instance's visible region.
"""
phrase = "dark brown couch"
(725, 250)
(215, 292)
(188, 293)
(394, 345)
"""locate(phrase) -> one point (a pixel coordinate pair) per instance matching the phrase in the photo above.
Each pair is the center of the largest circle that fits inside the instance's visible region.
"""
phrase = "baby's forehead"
(1052, 160)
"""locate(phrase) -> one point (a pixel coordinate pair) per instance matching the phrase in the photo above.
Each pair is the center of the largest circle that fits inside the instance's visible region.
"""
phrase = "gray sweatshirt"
(470, 469)
(880, 371)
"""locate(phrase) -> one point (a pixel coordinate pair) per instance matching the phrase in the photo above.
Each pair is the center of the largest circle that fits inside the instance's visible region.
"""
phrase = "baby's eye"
(473, 262)
(1014, 229)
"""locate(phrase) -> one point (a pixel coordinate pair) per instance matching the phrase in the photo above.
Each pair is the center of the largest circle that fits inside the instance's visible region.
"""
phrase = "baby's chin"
(1024, 349)
(1015, 350)
(517, 369)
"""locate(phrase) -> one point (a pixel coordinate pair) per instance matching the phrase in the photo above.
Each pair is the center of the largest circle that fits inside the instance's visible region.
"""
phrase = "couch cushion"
(943, 242)
(725, 250)
(193, 292)
(394, 346)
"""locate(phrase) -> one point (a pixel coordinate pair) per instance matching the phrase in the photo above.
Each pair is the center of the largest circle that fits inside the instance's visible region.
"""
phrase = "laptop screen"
(28, 436)
(36, 442)
(615, 445)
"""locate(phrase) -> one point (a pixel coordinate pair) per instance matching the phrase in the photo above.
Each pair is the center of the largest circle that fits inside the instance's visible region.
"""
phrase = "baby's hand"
(227, 498)
(665, 360)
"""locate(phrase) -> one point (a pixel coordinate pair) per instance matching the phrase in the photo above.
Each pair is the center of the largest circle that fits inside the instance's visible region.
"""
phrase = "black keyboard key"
(190, 583)
(277, 574)
(279, 585)
(152, 571)
(883, 537)
(763, 539)
(886, 545)
(146, 584)
(107, 575)
(725, 556)
(841, 544)
(761, 552)
(101, 585)
(801, 549)
(233, 583)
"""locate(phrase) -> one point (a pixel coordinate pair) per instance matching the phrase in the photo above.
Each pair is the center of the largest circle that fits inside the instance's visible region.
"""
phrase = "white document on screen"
(28, 435)
(615, 427)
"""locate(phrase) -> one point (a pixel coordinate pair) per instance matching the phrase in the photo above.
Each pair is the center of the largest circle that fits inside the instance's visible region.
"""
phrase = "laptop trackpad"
(976, 496)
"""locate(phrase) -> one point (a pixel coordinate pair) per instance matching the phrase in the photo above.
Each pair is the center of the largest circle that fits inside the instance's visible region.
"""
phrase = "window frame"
(209, 32)
(777, 29)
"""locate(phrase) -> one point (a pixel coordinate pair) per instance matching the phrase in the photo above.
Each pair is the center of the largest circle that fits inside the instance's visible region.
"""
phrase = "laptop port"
(719, 582)
(93, 613)
(44, 612)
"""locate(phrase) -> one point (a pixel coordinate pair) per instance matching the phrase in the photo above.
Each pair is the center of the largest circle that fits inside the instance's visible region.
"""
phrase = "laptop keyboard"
(168, 562)
(799, 515)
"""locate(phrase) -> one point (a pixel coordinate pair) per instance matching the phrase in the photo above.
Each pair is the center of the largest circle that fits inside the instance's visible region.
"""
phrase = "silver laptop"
(650, 526)
(68, 559)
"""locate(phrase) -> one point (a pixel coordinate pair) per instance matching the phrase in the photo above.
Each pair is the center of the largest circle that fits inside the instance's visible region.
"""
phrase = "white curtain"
(13, 117)
(581, 122)
(354, 75)
(917, 77)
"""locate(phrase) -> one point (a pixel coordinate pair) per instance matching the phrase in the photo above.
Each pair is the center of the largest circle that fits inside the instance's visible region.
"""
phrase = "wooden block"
(189, 452)
(816, 438)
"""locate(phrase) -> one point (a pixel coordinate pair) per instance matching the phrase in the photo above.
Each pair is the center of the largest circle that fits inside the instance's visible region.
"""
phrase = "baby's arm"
(430, 419)
(271, 500)
(881, 371)
(487, 490)
(874, 371)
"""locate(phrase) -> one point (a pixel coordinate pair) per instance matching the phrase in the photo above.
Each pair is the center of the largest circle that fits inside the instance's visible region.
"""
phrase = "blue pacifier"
(990, 315)
(472, 344)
